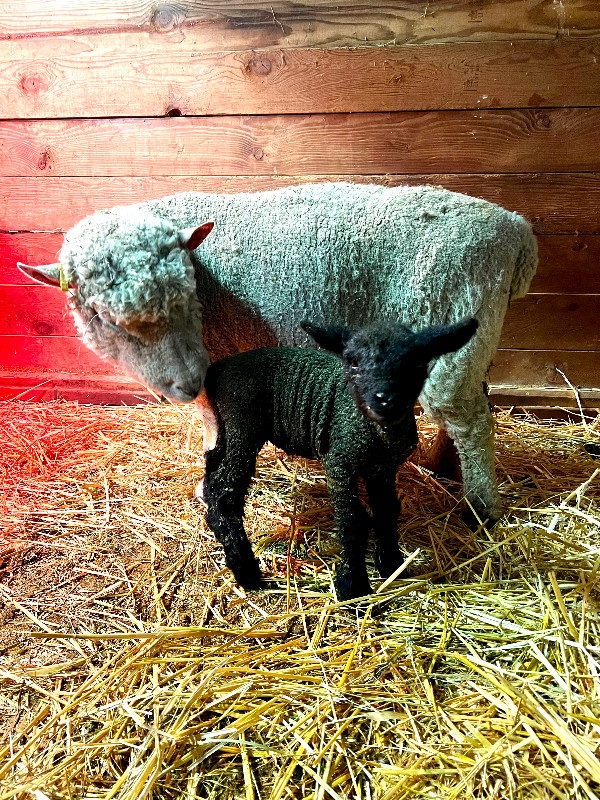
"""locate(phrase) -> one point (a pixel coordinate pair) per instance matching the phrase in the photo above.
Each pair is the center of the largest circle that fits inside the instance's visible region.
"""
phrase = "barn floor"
(131, 666)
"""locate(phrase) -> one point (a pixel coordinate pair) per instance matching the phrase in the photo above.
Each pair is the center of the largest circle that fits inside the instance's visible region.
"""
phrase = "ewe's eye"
(114, 328)
(352, 365)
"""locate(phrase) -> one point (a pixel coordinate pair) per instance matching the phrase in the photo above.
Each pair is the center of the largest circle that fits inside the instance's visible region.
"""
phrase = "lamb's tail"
(527, 259)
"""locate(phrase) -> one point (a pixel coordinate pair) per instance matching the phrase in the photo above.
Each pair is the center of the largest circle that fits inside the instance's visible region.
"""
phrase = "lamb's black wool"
(354, 413)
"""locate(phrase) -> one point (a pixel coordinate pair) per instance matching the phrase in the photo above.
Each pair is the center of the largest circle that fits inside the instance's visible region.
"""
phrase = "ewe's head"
(132, 291)
(386, 364)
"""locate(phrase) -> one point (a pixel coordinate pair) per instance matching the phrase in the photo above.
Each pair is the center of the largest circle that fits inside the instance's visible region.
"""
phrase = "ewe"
(343, 252)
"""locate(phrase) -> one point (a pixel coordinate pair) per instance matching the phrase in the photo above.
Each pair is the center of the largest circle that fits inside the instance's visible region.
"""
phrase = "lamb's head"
(132, 291)
(386, 364)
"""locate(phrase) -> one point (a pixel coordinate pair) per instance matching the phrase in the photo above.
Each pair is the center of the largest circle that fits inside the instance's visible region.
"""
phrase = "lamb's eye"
(353, 364)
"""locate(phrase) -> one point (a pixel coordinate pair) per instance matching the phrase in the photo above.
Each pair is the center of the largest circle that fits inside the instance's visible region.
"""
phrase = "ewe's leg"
(470, 424)
(354, 524)
(229, 470)
(385, 510)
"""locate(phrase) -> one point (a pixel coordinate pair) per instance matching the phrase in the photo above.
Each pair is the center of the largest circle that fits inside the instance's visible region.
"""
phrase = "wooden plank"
(549, 403)
(30, 248)
(38, 310)
(50, 353)
(521, 377)
(527, 140)
(555, 203)
(43, 386)
(553, 322)
(536, 322)
(105, 390)
(568, 264)
(540, 368)
(112, 76)
(244, 24)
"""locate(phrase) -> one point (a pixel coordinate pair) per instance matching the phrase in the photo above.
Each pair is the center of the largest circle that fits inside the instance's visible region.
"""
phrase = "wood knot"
(258, 153)
(260, 65)
(32, 83)
(45, 160)
(43, 328)
(167, 17)
(543, 120)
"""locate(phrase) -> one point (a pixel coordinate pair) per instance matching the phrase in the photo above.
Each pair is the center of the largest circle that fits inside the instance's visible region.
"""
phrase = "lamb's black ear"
(446, 338)
(332, 338)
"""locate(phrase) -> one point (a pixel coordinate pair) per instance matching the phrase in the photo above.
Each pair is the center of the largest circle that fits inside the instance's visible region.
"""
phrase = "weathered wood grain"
(528, 140)
(223, 24)
(568, 264)
(553, 322)
(544, 322)
(109, 75)
(524, 368)
(50, 353)
(29, 248)
(34, 310)
(41, 387)
(28, 356)
(556, 203)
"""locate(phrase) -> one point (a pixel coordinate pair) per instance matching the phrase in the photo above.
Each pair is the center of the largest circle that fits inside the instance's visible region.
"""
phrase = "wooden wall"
(114, 101)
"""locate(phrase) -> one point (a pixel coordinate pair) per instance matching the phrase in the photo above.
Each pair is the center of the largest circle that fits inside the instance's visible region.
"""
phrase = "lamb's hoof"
(350, 587)
(251, 580)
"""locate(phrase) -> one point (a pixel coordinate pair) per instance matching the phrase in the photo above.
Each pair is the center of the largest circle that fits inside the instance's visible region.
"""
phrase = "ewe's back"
(352, 253)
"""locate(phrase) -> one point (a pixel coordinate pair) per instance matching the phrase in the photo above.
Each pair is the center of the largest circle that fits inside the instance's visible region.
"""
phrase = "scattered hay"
(131, 666)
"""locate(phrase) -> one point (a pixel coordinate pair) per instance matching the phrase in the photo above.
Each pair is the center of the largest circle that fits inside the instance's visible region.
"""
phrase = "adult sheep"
(341, 253)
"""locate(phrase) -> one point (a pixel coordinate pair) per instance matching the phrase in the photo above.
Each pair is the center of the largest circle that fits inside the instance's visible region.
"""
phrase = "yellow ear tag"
(64, 283)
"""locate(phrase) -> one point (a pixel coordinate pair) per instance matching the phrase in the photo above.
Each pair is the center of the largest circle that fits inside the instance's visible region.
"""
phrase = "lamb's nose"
(384, 398)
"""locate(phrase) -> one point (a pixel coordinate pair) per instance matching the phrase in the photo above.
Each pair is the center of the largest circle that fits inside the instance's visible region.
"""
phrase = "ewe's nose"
(182, 391)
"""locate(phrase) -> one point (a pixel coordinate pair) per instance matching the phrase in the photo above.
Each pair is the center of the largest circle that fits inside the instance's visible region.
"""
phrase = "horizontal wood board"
(568, 264)
(245, 24)
(531, 322)
(555, 203)
(123, 75)
(524, 140)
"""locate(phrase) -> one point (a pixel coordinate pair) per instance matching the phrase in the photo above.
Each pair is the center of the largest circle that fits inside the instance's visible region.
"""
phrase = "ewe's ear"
(191, 238)
(446, 338)
(48, 274)
(333, 338)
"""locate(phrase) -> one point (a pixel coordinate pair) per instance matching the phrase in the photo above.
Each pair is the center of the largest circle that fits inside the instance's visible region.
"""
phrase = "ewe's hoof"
(471, 521)
(388, 561)
(199, 493)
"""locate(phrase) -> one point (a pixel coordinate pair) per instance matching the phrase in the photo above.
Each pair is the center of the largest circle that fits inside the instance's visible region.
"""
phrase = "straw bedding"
(131, 666)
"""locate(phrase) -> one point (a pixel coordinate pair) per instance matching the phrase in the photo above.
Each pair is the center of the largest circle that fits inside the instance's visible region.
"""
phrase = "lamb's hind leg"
(470, 424)
(229, 470)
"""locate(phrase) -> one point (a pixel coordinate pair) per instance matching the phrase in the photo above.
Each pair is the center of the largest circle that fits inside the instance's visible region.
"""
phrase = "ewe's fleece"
(335, 253)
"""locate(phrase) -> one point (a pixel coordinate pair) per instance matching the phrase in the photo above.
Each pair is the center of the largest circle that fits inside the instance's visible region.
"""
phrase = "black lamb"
(356, 413)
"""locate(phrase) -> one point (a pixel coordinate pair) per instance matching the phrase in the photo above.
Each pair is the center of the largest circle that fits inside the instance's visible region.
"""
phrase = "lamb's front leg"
(385, 510)
(229, 470)
(354, 525)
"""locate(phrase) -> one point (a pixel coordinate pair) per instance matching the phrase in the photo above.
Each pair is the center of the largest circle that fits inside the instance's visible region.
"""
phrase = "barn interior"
(131, 664)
